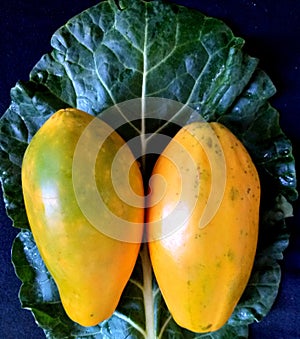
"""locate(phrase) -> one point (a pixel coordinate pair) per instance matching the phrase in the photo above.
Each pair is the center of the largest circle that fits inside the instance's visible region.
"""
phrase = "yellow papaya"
(89, 267)
(202, 268)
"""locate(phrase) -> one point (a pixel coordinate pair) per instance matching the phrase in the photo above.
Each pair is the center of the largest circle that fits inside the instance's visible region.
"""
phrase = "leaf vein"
(164, 327)
(130, 321)
(80, 42)
(176, 45)
(137, 284)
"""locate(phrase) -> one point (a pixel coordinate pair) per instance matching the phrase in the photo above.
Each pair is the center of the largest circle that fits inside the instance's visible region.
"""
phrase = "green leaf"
(110, 54)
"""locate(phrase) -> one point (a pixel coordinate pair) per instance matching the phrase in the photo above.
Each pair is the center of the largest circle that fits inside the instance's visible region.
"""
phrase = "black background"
(271, 29)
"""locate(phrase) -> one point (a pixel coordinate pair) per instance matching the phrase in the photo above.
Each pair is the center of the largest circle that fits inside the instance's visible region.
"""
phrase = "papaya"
(89, 267)
(203, 266)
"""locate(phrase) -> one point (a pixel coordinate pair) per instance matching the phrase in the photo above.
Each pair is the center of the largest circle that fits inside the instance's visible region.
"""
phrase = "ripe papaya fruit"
(89, 267)
(201, 268)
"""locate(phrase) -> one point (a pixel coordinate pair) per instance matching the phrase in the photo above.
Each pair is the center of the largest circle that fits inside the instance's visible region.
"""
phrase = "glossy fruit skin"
(90, 268)
(203, 271)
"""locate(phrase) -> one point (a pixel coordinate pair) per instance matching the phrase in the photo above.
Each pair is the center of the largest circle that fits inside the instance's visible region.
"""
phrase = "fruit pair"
(201, 232)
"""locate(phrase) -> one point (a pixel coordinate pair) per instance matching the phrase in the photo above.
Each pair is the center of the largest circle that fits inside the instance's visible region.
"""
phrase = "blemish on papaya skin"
(205, 328)
(230, 255)
(209, 142)
(197, 236)
(234, 193)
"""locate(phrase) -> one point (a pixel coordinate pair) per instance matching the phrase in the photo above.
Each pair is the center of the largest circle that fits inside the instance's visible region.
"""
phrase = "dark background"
(272, 32)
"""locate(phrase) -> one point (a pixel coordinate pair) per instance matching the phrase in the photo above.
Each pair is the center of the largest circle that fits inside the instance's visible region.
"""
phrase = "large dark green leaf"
(109, 54)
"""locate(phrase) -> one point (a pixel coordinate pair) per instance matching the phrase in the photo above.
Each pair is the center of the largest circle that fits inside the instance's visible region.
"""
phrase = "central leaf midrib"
(144, 86)
(145, 259)
(148, 293)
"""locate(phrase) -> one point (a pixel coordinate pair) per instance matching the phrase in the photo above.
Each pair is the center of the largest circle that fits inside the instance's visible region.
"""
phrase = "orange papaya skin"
(90, 268)
(202, 270)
